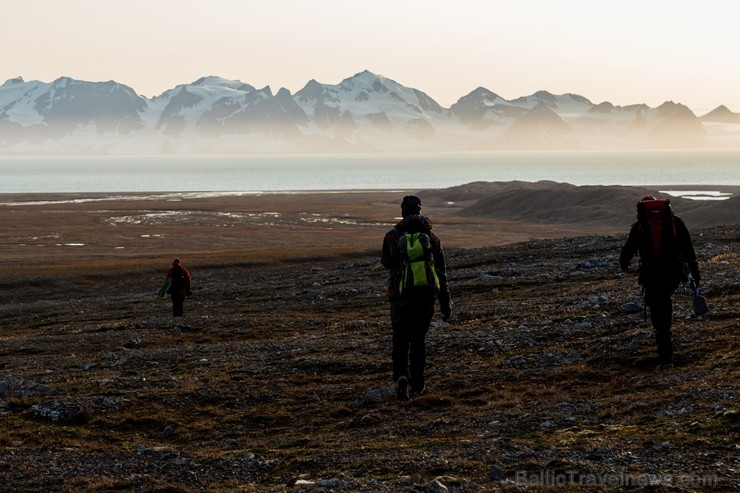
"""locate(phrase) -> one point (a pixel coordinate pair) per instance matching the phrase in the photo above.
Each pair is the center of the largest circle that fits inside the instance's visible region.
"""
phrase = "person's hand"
(445, 304)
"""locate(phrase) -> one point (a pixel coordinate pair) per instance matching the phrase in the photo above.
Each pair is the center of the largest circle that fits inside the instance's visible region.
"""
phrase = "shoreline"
(217, 193)
(85, 232)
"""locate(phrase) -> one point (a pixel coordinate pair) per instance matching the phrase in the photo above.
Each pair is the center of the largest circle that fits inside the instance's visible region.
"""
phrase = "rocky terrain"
(277, 379)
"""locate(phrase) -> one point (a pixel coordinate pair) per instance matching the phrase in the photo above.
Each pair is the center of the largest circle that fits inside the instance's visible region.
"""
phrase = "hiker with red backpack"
(662, 241)
(417, 277)
(178, 286)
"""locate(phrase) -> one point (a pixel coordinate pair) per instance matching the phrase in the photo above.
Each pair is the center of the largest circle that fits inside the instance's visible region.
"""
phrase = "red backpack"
(657, 232)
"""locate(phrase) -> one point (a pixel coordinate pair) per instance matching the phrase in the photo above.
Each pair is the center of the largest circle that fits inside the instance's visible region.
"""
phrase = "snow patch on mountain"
(364, 112)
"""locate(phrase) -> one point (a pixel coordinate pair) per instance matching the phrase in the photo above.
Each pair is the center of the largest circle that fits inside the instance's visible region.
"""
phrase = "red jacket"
(184, 289)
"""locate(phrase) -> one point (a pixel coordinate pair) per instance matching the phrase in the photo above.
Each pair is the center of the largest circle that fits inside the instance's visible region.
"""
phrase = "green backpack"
(417, 264)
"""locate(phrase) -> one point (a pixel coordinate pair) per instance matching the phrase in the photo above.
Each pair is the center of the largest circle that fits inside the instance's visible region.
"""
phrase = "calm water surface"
(32, 174)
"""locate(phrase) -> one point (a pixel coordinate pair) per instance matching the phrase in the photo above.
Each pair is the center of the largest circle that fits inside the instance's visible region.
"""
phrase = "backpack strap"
(416, 262)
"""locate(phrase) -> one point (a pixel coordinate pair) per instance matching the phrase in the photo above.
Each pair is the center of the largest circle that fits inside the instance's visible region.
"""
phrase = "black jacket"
(670, 271)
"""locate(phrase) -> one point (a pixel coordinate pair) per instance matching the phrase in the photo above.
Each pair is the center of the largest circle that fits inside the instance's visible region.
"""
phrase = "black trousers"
(178, 305)
(410, 320)
(658, 299)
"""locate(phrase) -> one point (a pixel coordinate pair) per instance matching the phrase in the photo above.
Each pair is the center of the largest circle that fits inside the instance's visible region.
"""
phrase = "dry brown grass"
(258, 385)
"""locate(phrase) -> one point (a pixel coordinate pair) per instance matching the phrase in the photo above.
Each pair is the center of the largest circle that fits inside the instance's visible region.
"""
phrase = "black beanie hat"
(411, 205)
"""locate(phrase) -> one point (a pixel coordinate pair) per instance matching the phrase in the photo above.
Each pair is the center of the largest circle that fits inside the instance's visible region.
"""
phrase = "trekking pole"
(700, 304)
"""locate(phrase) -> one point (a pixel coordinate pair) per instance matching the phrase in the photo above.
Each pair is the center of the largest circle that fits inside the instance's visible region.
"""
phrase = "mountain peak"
(367, 74)
(675, 110)
(483, 93)
(312, 90)
(384, 115)
(543, 95)
(206, 80)
(220, 82)
(283, 93)
(214, 80)
(721, 114)
(364, 79)
(15, 81)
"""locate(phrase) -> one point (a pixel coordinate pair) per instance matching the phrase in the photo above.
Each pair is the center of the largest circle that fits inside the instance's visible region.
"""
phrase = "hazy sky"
(625, 51)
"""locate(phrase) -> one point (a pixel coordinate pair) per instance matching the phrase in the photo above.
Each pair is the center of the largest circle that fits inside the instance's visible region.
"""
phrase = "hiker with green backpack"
(667, 258)
(413, 255)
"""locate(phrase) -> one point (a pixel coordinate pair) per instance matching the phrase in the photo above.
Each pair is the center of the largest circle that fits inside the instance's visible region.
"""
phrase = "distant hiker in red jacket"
(417, 275)
(179, 287)
(664, 245)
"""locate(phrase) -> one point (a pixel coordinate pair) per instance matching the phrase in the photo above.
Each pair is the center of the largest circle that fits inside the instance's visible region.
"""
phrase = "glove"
(445, 304)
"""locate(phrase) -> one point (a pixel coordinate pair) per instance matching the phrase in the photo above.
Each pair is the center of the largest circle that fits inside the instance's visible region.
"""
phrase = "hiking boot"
(402, 389)
(415, 391)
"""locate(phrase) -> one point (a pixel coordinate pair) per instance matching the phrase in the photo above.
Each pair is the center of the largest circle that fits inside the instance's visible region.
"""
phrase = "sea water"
(313, 172)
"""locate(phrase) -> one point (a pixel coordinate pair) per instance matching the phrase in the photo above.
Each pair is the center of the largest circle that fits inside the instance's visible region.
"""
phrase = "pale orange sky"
(623, 51)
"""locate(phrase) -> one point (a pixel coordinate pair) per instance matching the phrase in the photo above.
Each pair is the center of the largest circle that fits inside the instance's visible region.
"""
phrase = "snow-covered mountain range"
(365, 112)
